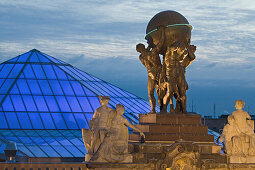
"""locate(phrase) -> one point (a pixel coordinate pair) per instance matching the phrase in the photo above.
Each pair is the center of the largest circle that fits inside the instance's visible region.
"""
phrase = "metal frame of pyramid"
(44, 102)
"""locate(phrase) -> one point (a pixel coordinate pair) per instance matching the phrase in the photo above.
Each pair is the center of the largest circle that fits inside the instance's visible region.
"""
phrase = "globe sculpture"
(168, 33)
(177, 29)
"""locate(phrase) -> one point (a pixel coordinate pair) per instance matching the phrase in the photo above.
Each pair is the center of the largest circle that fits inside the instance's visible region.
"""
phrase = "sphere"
(177, 29)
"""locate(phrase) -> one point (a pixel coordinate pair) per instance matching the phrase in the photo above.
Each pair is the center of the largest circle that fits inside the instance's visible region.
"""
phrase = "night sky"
(99, 37)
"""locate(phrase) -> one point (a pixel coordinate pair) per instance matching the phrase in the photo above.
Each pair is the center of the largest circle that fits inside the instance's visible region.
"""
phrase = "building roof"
(41, 95)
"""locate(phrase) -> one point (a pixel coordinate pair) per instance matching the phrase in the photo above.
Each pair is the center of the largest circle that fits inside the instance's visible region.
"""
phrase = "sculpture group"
(107, 138)
(239, 135)
(167, 76)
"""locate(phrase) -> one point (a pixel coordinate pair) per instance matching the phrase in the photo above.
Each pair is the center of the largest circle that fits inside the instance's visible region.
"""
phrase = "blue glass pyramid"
(44, 102)
(38, 91)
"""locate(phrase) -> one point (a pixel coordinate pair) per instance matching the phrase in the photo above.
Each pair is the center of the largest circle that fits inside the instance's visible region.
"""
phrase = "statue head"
(120, 109)
(231, 119)
(239, 104)
(140, 47)
(104, 100)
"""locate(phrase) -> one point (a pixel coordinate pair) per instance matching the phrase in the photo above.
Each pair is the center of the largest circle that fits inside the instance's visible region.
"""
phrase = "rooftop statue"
(107, 140)
(168, 33)
(239, 136)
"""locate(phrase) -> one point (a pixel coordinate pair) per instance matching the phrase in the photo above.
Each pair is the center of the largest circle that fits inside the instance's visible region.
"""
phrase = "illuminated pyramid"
(43, 97)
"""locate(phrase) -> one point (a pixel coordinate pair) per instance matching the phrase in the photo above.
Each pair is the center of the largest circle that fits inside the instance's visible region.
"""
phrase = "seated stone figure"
(117, 147)
(239, 136)
(228, 132)
(99, 129)
(107, 140)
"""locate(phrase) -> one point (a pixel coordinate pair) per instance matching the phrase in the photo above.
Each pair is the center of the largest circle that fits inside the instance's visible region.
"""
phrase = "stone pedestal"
(162, 128)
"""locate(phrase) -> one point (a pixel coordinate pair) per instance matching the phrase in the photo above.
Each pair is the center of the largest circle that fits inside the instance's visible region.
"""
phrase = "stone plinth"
(172, 127)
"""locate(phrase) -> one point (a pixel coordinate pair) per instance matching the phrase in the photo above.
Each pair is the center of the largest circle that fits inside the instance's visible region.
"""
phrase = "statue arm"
(191, 50)
(126, 122)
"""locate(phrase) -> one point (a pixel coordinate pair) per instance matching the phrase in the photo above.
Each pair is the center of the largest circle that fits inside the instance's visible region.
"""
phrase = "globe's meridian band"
(173, 25)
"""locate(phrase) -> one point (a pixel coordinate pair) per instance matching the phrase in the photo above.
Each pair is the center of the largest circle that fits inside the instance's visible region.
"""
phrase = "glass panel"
(59, 121)
(74, 104)
(63, 140)
(76, 141)
(56, 88)
(82, 149)
(94, 89)
(70, 72)
(24, 120)
(145, 104)
(7, 104)
(42, 58)
(60, 73)
(40, 103)
(29, 103)
(49, 151)
(62, 151)
(64, 107)
(24, 57)
(99, 85)
(13, 59)
(38, 71)
(15, 71)
(38, 140)
(85, 104)
(88, 92)
(1, 82)
(25, 150)
(37, 151)
(45, 87)
(33, 58)
(18, 103)
(34, 87)
(26, 140)
(80, 119)
(23, 87)
(116, 89)
(6, 70)
(52, 58)
(14, 90)
(47, 121)
(77, 88)
(3, 123)
(22, 76)
(12, 120)
(74, 151)
(84, 75)
(89, 116)
(51, 141)
(68, 89)
(6, 86)
(70, 121)
(51, 102)
(94, 101)
(49, 71)
(36, 120)
(28, 72)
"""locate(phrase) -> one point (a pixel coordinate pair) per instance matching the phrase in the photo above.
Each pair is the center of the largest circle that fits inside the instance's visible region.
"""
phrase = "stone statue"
(151, 60)
(239, 136)
(117, 146)
(107, 140)
(168, 75)
(99, 128)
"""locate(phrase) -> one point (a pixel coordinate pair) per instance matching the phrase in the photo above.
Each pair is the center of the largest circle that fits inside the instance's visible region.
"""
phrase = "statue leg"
(167, 97)
(151, 87)
(182, 91)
